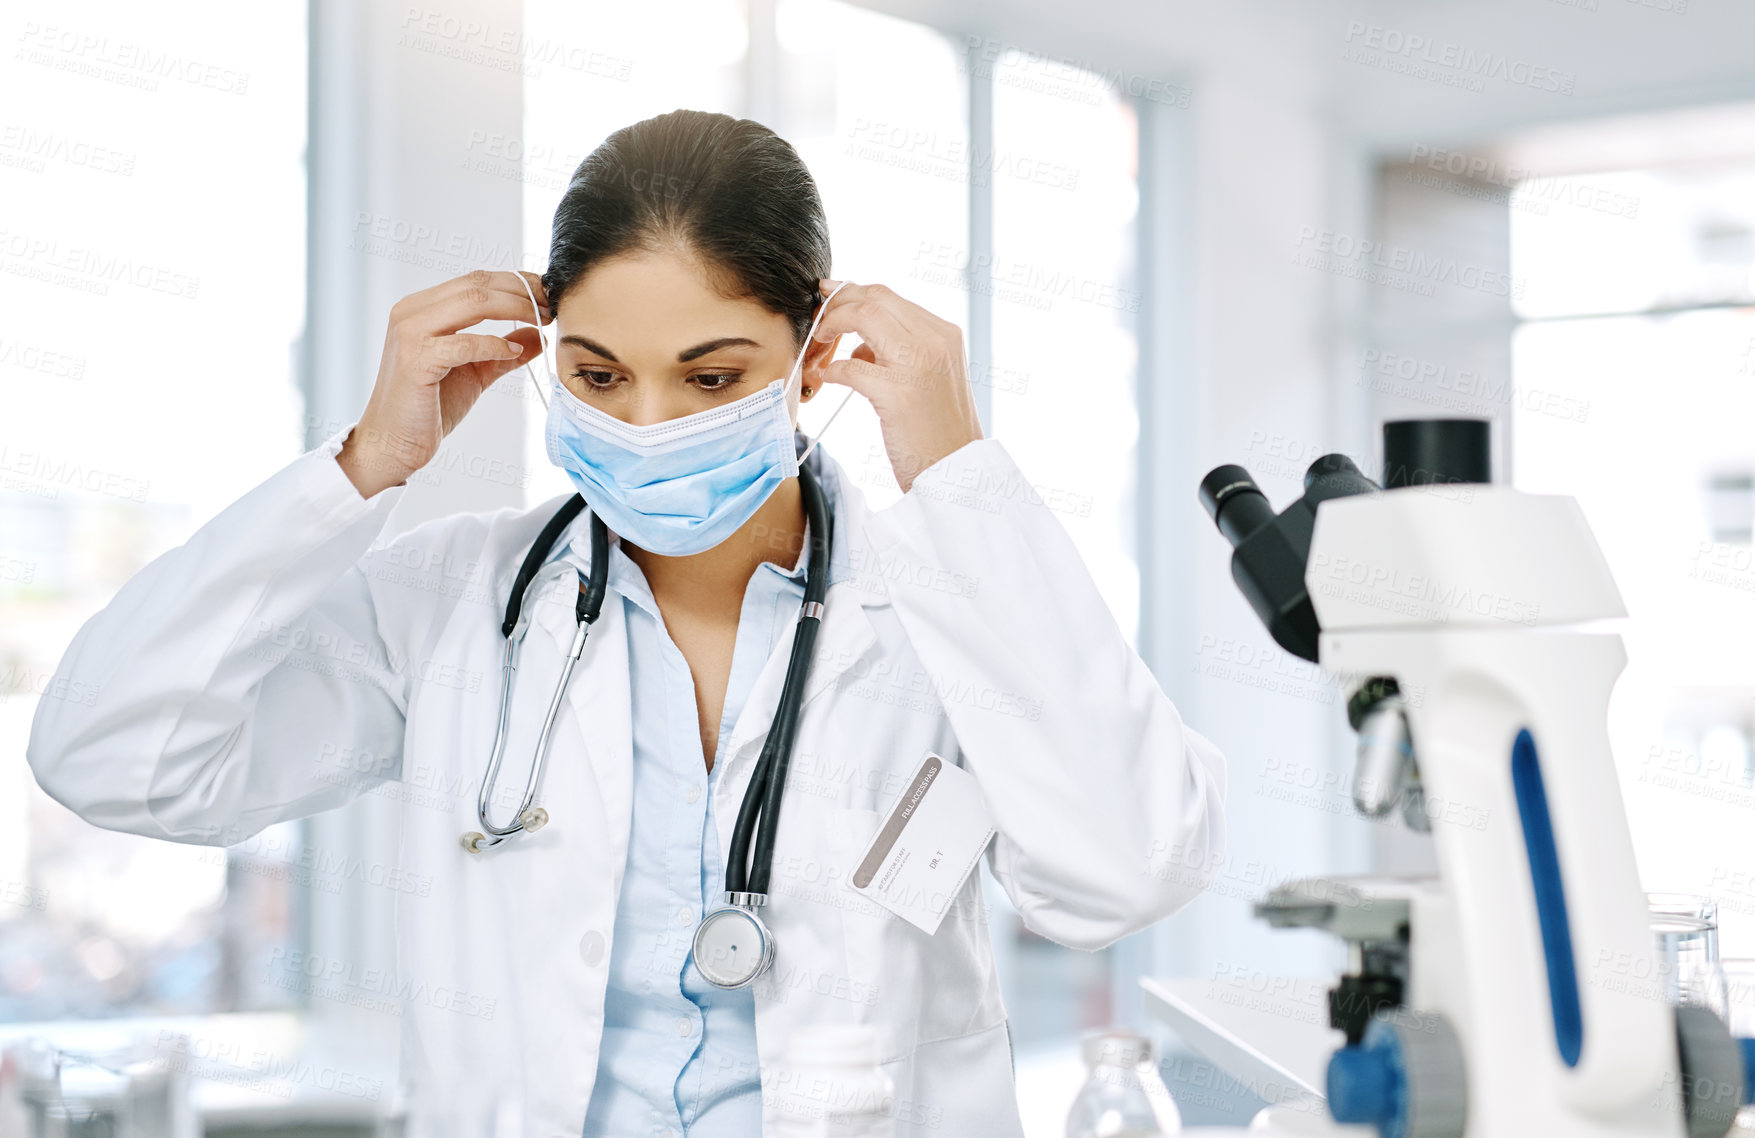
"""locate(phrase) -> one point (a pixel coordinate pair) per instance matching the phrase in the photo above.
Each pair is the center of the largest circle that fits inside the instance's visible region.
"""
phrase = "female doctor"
(282, 662)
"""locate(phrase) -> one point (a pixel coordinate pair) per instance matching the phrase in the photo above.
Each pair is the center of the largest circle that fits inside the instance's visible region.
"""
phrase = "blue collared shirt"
(678, 1055)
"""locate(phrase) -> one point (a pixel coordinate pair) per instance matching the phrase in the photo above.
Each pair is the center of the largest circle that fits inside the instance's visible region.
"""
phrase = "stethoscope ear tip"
(530, 821)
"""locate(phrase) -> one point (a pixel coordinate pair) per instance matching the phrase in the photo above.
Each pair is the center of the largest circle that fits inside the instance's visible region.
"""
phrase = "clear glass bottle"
(1123, 1097)
(119, 1084)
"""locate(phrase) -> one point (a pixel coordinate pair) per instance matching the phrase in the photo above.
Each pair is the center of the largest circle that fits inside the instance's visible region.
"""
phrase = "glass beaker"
(1686, 928)
(1688, 905)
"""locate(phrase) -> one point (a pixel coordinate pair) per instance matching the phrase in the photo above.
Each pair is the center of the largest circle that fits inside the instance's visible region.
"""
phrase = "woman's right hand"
(432, 373)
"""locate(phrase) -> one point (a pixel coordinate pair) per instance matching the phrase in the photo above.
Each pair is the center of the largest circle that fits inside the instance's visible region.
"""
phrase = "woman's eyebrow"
(682, 357)
(590, 346)
(699, 350)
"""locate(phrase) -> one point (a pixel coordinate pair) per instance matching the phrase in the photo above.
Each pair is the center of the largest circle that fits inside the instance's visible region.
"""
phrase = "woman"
(281, 663)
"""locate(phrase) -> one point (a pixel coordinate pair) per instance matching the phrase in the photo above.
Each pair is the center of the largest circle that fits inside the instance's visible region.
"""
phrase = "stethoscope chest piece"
(732, 944)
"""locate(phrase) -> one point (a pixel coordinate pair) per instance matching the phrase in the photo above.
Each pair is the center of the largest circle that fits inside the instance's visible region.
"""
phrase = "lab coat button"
(683, 1026)
(684, 915)
(694, 795)
(591, 948)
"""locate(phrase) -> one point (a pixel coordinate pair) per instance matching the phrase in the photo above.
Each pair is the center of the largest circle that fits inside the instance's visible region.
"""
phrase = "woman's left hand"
(911, 366)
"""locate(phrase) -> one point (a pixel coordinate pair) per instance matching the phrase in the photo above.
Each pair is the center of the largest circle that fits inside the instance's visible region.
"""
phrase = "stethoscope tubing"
(768, 783)
(530, 818)
(760, 809)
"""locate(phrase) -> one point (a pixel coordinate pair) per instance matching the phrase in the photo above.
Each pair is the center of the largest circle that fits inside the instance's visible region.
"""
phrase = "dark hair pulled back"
(727, 191)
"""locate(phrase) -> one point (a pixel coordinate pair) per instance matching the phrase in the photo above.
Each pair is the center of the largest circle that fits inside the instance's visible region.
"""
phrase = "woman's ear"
(816, 358)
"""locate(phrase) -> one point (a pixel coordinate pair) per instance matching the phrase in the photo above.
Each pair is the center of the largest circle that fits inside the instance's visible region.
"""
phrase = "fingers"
(877, 315)
(444, 353)
(516, 286)
(535, 282)
(526, 337)
(862, 374)
(508, 281)
(892, 363)
(471, 306)
(905, 311)
(469, 299)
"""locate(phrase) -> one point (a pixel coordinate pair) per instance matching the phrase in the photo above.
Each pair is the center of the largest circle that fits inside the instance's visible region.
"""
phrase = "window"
(153, 283)
(1634, 388)
(1062, 169)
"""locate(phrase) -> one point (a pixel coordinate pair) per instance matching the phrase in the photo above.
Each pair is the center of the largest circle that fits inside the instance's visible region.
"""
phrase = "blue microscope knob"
(1362, 1086)
(1406, 1077)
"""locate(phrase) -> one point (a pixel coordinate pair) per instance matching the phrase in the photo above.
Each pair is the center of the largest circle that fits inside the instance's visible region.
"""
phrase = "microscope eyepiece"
(1272, 549)
(1335, 476)
(1234, 502)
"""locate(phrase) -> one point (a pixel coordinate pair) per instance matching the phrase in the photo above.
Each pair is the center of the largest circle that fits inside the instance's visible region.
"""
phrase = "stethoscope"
(732, 943)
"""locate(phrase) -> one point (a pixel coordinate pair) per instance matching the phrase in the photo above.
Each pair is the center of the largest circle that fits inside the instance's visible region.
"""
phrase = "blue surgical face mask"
(683, 485)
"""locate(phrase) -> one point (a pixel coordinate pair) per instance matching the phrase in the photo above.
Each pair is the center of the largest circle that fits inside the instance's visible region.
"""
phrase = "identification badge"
(924, 851)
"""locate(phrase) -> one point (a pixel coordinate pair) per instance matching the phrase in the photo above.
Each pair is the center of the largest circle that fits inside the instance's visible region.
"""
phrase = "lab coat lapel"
(846, 635)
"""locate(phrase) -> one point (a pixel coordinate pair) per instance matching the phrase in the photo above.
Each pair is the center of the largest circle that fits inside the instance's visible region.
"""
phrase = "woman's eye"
(595, 378)
(715, 381)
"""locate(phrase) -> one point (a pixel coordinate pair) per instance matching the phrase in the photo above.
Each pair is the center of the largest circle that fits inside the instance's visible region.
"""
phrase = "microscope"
(1489, 1001)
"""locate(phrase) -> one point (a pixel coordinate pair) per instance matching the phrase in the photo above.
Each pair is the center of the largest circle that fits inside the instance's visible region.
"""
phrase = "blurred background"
(1175, 234)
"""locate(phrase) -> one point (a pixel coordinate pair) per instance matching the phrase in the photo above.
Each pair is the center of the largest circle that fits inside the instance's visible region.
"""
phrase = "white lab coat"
(282, 662)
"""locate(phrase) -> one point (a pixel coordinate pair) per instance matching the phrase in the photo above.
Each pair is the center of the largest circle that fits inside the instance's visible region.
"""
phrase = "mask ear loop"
(540, 339)
(799, 368)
